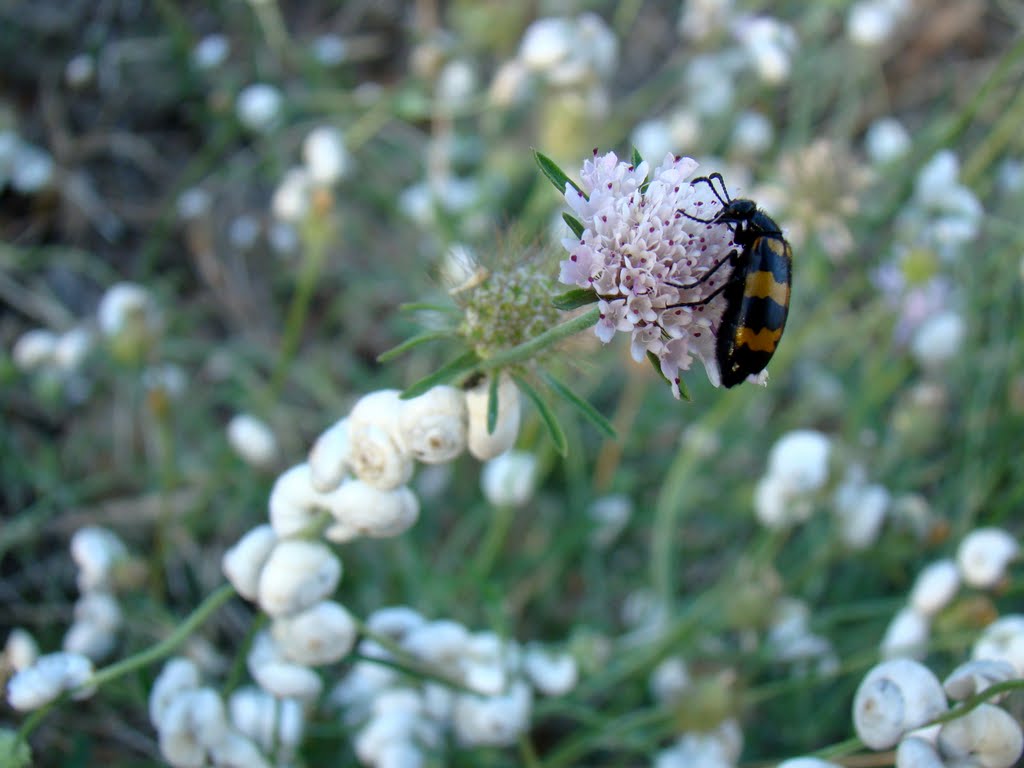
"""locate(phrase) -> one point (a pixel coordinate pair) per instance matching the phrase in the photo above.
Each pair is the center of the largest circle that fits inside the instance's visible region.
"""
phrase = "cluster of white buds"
(394, 717)
(47, 677)
(860, 509)
(97, 552)
(45, 351)
(769, 45)
(899, 697)
(325, 161)
(798, 468)
(259, 107)
(717, 748)
(944, 214)
(196, 728)
(791, 641)
(981, 562)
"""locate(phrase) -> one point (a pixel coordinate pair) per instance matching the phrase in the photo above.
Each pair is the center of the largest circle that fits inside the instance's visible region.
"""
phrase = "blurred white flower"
(935, 587)
(194, 203)
(974, 677)
(1003, 640)
(871, 23)
(983, 556)
(244, 232)
(700, 19)
(377, 453)
(509, 480)
(985, 736)
(292, 198)
(329, 457)
(32, 169)
(510, 85)
(329, 50)
(752, 133)
(886, 140)
(551, 673)
(769, 44)
(360, 509)
(652, 138)
(237, 751)
(192, 723)
(243, 562)
(710, 85)
(165, 379)
(72, 348)
(20, 650)
(442, 642)
(93, 633)
(210, 52)
(321, 634)
(259, 107)
(800, 459)
(394, 621)
(253, 440)
(128, 307)
(719, 748)
(456, 86)
(482, 443)
(96, 551)
(669, 681)
(294, 503)
(546, 42)
(938, 339)
(272, 723)
(778, 505)
(177, 676)
(570, 52)
(325, 155)
(906, 636)
(80, 70)
(298, 574)
(433, 427)
(34, 349)
(494, 721)
(277, 675)
(47, 678)
(861, 509)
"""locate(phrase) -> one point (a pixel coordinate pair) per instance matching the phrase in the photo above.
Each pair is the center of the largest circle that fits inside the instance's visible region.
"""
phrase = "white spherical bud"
(669, 680)
(552, 674)
(752, 134)
(861, 510)
(46, 679)
(96, 551)
(297, 575)
(192, 723)
(258, 107)
(433, 426)
(915, 752)
(293, 196)
(510, 479)
(321, 634)
(127, 306)
(277, 675)
(32, 169)
(94, 631)
(178, 675)
(80, 70)
(394, 621)
(441, 642)
(983, 556)
(252, 439)
(194, 203)
(495, 721)
(894, 698)
(800, 459)
(935, 587)
(973, 677)
(325, 155)
(243, 562)
(237, 751)
(546, 42)
(211, 51)
(329, 457)
(938, 339)
(72, 348)
(378, 456)
(1003, 639)
(483, 444)
(34, 349)
(359, 509)
(20, 650)
(886, 140)
(987, 737)
(906, 636)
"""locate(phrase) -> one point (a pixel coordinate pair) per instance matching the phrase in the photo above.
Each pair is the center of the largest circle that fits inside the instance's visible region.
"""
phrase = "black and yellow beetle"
(756, 294)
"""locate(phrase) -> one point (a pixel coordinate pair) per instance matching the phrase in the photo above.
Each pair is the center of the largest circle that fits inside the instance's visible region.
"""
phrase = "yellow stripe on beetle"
(763, 285)
(764, 340)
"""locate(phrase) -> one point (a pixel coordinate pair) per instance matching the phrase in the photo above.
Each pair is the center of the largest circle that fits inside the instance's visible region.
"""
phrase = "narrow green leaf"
(637, 158)
(574, 298)
(461, 364)
(546, 415)
(426, 306)
(684, 391)
(589, 412)
(413, 341)
(492, 402)
(574, 224)
(554, 174)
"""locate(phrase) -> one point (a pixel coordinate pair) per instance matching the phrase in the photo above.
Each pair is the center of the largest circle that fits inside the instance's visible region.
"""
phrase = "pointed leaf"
(574, 298)
(492, 402)
(589, 412)
(546, 415)
(636, 158)
(554, 174)
(413, 341)
(461, 364)
(574, 224)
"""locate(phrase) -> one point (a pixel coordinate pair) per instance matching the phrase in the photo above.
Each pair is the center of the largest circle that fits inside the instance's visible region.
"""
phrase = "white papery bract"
(253, 440)
(192, 723)
(638, 246)
(243, 562)
(983, 556)
(47, 678)
(551, 673)
(495, 721)
(986, 736)
(719, 748)
(321, 634)
(433, 427)
(974, 677)
(94, 630)
(297, 575)
(20, 650)
(935, 587)
(906, 636)
(178, 675)
(269, 721)
(485, 444)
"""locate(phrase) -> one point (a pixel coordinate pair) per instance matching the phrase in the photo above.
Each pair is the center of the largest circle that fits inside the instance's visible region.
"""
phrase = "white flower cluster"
(56, 357)
(636, 250)
(897, 697)
(718, 748)
(325, 162)
(981, 562)
(791, 641)
(47, 677)
(871, 23)
(97, 616)
(769, 45)
(395, 717)
(196, 728)
(944, 214)
(798, 468)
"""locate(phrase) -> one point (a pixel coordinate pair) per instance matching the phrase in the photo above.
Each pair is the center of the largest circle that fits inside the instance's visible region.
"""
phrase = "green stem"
(144, 658)
(497, 532)
(529, 349)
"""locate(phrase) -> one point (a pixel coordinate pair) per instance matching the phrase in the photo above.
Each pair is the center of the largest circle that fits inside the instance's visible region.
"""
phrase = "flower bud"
(178, 675)
(974, 677)
(1003, 639)
(297, 575)
(986, 736)
(378, 455)
(360, 509)
(267, 720)
(433, 426)
(259, 107)
(935, 587)
(553, 674)
(46, 679)
(325, 155)
(278, 676)
(20, 650)
(510, 479)
(495, 721)
(253, 440)
(483, 444)
(983, 556)
(34, 349)
(321, 634)
(96, 551)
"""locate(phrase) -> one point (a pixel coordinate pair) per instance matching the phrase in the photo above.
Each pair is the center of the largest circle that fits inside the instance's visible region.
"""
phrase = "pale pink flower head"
(643, 255)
